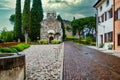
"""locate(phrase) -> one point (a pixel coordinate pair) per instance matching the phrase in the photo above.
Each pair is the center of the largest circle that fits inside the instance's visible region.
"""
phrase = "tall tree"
(18, 21)
(26, 19)
(59, 18)
(36, 18)
(84, 25)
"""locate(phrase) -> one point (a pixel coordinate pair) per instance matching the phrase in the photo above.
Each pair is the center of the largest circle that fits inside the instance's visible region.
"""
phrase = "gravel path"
(44, 62)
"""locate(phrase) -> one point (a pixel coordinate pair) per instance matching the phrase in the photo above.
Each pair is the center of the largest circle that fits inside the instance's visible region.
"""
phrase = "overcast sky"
(66, 8)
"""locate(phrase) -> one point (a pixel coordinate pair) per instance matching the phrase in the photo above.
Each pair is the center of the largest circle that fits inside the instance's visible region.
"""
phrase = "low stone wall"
(12, 67)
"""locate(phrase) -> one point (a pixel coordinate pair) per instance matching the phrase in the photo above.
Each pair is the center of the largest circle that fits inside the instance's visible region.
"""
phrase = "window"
(118, 39)
(107, 3)
(108, 37)
(110, 13)
(102, 17)
(101, 8)
(98, 19)
(119, 13)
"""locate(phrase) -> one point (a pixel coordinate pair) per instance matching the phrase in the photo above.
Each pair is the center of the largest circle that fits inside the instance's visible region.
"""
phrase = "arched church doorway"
(50, 39)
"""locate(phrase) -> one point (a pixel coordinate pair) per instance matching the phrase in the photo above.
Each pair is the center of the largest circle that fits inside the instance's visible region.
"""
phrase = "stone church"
(51, 28)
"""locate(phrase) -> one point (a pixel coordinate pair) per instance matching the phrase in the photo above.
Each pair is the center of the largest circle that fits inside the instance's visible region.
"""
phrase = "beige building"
(51, 28)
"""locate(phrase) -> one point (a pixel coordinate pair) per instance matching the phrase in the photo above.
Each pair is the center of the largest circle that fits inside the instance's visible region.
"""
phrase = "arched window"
(107, 3)
(119, 13)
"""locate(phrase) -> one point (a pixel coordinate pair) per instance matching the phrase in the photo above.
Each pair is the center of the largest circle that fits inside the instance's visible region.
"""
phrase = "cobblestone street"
(42, 62)
(83, 63)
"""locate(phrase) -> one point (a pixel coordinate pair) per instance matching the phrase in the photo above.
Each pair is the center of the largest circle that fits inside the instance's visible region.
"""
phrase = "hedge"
(14, 49)
(43, 42)
(55, 42)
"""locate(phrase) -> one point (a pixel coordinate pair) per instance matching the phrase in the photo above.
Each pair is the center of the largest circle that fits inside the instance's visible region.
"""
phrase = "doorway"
(50, 39)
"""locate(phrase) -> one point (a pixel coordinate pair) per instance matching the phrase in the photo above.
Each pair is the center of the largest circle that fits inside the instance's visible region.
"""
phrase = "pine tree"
(26, 19)
(18, 21)
(36, 18)
(62, 26)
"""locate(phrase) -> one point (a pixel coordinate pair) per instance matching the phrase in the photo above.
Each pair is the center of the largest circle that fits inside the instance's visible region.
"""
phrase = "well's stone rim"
(10, 55)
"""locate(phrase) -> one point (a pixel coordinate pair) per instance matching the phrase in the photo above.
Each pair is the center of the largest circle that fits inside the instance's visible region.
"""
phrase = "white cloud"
(70, 16)
(9, 4)
(60, 4)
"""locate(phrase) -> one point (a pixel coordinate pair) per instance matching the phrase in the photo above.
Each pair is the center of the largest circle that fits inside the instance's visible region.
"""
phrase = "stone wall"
(12, 67)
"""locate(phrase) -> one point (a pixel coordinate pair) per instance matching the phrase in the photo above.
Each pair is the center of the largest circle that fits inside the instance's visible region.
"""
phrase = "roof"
(97, 3)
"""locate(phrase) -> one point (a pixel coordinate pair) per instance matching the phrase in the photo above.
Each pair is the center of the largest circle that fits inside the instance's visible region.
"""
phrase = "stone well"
(12, 67)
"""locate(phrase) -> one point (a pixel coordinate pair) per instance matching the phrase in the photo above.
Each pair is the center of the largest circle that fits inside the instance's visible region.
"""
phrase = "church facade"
(51, 28)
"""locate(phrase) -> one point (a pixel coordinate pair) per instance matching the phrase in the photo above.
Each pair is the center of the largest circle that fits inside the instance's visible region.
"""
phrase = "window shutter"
(105, 37)
(111, 36)
(105, 16)
(98, 19)
(116, 14)
(118, 39)
(111, 12)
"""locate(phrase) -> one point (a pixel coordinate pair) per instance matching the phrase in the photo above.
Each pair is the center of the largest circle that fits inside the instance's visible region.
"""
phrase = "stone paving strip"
(44, 62)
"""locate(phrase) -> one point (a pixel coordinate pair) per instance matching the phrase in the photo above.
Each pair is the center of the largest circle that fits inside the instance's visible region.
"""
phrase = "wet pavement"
(83, 63)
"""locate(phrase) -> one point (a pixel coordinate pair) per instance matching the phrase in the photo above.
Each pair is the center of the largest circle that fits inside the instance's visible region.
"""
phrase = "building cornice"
(98, 3)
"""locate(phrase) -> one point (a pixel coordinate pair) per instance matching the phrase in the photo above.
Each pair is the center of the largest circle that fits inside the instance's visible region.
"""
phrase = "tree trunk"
(78, 34)
(26, 37)
(18, 39)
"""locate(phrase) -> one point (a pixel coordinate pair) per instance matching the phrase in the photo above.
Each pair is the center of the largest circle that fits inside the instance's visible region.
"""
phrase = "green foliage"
(80, 26)
(93, 43)
(89, 40)
(110, 47)
(18, 21)
(71, 38)
(36, 17)
(21, 47)
(7, 50)
(55, 42)
(12, 18)
(26, 16)
(68, 28)
(43, 42)
(59, 18)
(7, 36)
(101, 45)
(14, 49)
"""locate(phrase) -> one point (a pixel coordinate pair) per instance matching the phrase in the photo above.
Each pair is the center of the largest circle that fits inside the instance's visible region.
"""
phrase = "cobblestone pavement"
(83, 63)
(42, 62)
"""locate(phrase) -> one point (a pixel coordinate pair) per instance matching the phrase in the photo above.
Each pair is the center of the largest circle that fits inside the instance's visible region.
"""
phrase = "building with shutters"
(108, 23)
(51, 28)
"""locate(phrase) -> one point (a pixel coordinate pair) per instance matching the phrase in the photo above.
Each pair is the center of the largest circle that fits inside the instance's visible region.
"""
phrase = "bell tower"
(51, 14)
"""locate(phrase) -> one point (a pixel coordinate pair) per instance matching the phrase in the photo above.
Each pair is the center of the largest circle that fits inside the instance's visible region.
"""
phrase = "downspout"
(114, 23)
(97, 45)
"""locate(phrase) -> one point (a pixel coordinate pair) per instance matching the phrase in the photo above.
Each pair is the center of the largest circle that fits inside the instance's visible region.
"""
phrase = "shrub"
(14, 49)
(110, 47)
(43, 42)
(83, 41)
(101, 45)
(93, 43)
(7, 50)
(55, 42)
(21, 47)
(88, 40)
(71, 38)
